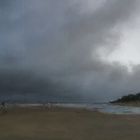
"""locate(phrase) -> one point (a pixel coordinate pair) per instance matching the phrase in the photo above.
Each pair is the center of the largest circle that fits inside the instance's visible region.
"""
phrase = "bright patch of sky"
(128, 51)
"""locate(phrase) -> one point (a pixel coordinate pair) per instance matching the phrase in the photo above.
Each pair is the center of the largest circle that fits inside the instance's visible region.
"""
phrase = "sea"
(100, 107)
(104, 108)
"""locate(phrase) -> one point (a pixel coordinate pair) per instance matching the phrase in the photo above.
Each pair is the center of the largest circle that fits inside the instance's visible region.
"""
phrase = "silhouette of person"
(3, 107)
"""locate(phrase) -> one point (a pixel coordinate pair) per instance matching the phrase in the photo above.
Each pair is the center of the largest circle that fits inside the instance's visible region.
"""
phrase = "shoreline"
(129, 104)
(114, 109)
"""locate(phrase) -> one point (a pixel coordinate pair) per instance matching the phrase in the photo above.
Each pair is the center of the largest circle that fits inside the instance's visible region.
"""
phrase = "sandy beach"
(66, 124)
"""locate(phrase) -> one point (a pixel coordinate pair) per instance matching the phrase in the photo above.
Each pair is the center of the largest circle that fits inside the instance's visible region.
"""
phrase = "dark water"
(105, 108)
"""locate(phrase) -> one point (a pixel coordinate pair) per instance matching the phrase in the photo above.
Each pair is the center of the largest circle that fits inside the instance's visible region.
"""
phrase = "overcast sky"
(69, 49)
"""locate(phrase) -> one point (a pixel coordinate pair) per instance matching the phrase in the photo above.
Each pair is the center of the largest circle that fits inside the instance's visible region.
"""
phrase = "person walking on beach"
(3, 107)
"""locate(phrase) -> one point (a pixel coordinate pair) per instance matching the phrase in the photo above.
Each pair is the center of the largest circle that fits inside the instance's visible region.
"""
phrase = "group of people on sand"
(3, 107)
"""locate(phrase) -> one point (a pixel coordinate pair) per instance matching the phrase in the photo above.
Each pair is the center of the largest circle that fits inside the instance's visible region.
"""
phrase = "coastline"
(106, 108)
(131, 104)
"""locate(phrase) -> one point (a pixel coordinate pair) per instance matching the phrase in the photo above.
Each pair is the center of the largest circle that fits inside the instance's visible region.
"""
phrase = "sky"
(69, 50)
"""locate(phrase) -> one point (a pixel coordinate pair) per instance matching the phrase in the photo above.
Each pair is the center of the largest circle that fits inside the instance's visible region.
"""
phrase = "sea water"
(104, 107)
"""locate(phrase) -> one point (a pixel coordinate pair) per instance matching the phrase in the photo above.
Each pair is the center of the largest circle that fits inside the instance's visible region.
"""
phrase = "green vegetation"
(131, 98)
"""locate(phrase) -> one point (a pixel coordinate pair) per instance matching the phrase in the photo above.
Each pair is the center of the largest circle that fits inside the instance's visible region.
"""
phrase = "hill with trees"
(131, 98)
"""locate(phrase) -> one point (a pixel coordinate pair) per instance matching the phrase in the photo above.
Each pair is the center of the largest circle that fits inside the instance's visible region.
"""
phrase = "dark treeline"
(128, 98)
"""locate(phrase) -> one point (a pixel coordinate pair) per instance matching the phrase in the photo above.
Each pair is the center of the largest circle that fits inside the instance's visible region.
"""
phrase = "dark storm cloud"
(50, 48)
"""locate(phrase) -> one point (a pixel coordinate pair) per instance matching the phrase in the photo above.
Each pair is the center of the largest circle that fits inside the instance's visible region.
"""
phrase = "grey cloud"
(54, 42)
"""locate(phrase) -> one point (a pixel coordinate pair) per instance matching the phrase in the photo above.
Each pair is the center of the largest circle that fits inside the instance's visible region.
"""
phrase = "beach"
(58, 123)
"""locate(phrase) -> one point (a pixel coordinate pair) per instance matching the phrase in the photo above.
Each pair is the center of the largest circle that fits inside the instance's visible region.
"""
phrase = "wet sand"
(67, 124)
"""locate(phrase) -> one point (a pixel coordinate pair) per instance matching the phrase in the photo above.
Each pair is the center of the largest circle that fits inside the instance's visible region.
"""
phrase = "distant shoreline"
(133, 104)
(102, 108)
(128, 100)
